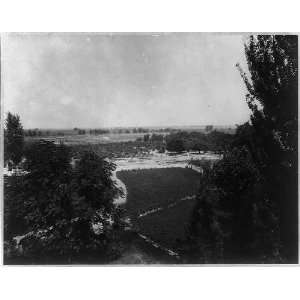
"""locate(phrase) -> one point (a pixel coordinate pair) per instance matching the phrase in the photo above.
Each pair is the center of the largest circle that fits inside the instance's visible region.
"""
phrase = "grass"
(68, 137)
(168, 227)
(152, 188)
(73, 139)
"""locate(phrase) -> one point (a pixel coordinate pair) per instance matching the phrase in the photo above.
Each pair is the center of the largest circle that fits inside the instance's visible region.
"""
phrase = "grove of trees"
(215, 141)
(65, 212)
(247, 208)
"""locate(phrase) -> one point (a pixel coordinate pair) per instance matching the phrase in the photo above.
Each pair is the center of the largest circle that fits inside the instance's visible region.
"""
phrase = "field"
(149, 189)
(169, 226)
(85, 136)
(152, 188)
(75, 139)
(120, 149)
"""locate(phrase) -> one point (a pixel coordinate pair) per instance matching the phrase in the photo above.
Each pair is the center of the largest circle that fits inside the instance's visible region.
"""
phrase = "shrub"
(61, 206)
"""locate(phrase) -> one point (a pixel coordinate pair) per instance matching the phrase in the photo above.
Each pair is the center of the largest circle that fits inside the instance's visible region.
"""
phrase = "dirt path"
(160, 247)
(120, 199)
(142, 250)
(135, 256)
(155, 210)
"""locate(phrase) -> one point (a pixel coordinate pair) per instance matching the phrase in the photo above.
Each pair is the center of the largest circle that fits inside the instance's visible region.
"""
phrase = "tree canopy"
(13, 139)
(58, 205)
(273, 99)
(250, 196)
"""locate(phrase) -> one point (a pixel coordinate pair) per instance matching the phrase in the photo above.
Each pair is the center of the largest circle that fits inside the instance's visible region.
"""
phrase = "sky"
(111, 80)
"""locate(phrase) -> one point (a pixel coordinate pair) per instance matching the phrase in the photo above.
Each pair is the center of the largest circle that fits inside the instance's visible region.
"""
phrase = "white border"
(145, 16)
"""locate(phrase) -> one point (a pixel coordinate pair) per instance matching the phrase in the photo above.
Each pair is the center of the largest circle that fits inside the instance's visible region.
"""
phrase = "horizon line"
(131, 126)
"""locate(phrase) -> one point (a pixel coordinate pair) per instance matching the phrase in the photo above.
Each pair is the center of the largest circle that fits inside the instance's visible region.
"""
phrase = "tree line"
(215, 141)
(247, 207)
(63, 208)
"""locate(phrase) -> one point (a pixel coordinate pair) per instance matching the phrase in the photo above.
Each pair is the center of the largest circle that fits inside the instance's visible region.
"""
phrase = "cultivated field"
(76, 139)
(168, 227)
(152, 188)
(160, 202)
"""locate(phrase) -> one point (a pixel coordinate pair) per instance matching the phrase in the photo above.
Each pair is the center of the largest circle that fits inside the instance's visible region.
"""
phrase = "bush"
(175, 145)
(233, 220)
(61, 205)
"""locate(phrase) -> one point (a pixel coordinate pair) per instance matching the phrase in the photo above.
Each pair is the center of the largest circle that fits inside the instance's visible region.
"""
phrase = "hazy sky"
(95, 80)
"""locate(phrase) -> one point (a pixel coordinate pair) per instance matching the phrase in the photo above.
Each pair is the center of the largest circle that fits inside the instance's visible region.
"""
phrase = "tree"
(157, 137)
(197, 146)
(68, 211)
(272, 97)
(251, 194)
(224, 223)
(208, 128)
(204, 232)
(13, 139)
(146, 137)
(93, 181)
(175, 145)
(48, 174)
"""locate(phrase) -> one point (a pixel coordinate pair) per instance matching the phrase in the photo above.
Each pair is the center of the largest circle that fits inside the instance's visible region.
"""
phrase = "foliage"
(157, 137)
(247, 203)
(233, 220)
(175, 145)
(119, 149)
(92, 181)
(209, 128)
(98, 131)
(61, 205)
(204, 235)
(152, 137)
(272, 97)
(146, 137)
(13, 139)
(14, 209)
(197, 141)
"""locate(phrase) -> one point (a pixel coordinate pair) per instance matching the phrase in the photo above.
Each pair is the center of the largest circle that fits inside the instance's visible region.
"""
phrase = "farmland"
(153, 188)
(160, 202)
(168, 227)
(82, 139)
(160, 187)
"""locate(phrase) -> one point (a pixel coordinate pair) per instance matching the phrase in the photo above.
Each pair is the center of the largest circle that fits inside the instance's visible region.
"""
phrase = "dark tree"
(93, 181)
(197, 146)
(146, 137)
(250, 195)
(272, 97)
(157, 137)
(208, 128)
(175, 145)
(60, 203)
(13, 139)
(49, 172)
(224, 222)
